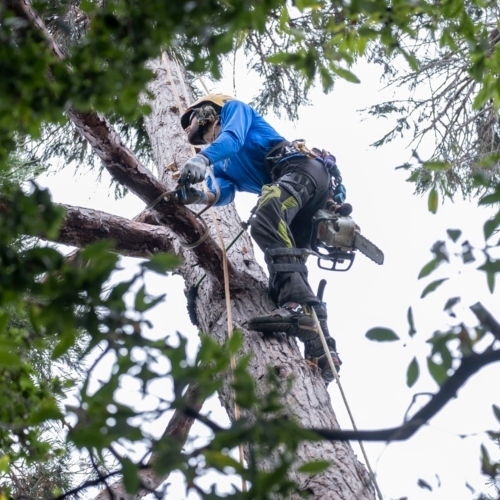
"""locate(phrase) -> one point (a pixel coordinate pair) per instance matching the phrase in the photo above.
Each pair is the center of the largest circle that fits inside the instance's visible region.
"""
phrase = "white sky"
(373, 375)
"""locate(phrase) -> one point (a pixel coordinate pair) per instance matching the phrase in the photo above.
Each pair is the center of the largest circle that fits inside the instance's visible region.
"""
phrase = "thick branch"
(468, 366)
(127, 169)
(82, 226)
(24, 10)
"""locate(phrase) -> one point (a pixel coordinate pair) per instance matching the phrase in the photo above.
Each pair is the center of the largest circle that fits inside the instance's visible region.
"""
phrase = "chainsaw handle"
(339, 258)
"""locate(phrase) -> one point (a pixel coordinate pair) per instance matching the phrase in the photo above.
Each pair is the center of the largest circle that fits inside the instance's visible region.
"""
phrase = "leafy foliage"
(63, 299)
(105, 46)
(453, 64)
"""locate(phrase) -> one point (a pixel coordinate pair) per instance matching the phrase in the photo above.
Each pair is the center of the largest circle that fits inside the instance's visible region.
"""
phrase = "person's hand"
(194, 170)
(190, 195)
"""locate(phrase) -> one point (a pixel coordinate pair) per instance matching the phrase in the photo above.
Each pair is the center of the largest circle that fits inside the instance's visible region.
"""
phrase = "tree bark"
(82, 226)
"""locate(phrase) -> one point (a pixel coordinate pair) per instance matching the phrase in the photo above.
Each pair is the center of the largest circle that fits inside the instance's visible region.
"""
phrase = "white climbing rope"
(344, 398)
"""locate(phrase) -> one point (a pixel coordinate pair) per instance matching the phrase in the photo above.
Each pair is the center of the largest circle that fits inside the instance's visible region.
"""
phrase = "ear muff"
(207, 117)
(217, 101)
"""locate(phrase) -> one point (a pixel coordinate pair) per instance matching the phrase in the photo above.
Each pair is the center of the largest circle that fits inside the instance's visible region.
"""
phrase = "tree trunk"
(308, 402)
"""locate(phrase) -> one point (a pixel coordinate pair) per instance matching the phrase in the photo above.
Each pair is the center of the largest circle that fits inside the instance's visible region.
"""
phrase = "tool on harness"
(335, 238)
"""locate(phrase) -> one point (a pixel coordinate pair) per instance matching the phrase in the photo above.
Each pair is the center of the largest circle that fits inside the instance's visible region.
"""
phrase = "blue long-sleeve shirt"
(239, 151)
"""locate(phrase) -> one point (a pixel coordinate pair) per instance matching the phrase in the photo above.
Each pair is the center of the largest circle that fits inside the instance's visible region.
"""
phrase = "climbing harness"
(334, 236)
(277, 157)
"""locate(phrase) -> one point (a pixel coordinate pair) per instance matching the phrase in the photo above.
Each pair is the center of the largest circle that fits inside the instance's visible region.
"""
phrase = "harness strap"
(294, 252)
(300, 186)
(287, 268)
(271, 159)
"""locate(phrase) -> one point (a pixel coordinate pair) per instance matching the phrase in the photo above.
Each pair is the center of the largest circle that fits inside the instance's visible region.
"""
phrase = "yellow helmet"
(218, 99)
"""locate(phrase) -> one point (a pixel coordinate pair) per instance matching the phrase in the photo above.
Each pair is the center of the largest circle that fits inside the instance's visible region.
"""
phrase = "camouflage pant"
(283, 221)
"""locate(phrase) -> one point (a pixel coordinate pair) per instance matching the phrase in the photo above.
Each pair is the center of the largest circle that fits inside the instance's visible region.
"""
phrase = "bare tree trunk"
(308, 402)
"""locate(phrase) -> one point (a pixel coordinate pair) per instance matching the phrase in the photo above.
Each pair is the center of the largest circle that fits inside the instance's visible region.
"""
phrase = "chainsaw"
(335, 238)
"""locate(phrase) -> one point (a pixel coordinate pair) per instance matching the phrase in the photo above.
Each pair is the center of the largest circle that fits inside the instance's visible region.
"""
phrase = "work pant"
(283, 221)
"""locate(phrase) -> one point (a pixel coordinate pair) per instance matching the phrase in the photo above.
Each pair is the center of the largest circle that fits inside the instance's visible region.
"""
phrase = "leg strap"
(299, 185)
(292, 254)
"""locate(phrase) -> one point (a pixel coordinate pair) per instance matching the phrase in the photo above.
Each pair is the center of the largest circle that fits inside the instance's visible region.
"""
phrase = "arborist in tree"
(247, 154)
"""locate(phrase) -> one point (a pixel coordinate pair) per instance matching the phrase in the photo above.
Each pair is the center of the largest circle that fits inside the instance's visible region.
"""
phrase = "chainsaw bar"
(367, 248)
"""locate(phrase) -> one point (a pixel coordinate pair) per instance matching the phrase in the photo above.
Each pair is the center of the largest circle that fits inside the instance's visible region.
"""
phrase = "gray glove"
(189, 195)
(194, 170)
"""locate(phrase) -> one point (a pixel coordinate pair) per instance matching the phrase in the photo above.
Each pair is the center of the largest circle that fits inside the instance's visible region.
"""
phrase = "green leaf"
(410, 59)
(235, 342)
(424, 484)
(412, 331)
(496, 411)
(412, 373)
(130, 476)
(491, 225)
(162, 262)
(314, 467)
(454, 234)
(48, 411)
(491, 198)
(140, 299)
(453, 301)
(467, 253)
(219, 460)
(431, 287)
(381, 335)
(437, 371)
(4, 319)
(436, 166)
(4, 464)
(65, 343)
(432, 202)
(487, 467)
(429, 268)
(491, 268)
(346, 74)
(10, 360)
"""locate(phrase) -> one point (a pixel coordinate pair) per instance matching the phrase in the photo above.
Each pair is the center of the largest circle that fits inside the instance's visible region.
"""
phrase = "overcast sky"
(373, 374)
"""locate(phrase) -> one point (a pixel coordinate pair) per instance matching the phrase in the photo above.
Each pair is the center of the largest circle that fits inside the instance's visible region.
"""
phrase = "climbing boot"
(292, 318)
(315, 354)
